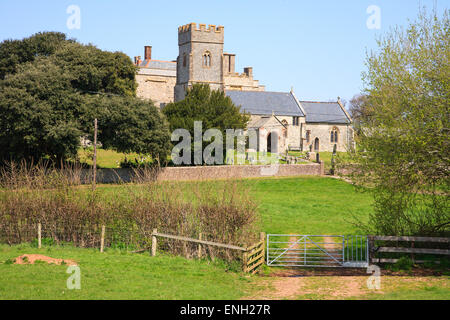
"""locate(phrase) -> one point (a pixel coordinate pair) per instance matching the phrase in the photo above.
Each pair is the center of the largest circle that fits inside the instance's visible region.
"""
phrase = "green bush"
(71, 214)
(403, 264)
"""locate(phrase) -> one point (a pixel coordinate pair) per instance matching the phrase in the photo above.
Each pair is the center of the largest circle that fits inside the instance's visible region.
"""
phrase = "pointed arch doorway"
(272, 142)
(316, 144)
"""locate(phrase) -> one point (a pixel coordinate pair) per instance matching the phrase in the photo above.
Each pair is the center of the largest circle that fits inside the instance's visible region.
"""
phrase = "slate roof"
(266, 103)
(258, 123)
(264, 121)
(328, 112)
(157, 64)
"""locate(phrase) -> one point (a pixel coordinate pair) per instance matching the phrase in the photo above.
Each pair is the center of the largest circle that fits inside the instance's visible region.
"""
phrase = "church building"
(276, 116)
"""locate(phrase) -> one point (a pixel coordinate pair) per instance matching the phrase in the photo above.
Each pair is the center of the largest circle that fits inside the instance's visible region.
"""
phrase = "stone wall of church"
(322, 131)
(159, 89)
(289, 135)
(242, 82)
(293, 133)
(278, 139)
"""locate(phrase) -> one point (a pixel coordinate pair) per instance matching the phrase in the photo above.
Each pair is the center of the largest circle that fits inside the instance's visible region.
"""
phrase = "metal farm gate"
(293, 250)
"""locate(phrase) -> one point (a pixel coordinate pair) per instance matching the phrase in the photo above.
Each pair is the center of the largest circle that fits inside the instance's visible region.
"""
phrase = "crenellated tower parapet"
(190, 33)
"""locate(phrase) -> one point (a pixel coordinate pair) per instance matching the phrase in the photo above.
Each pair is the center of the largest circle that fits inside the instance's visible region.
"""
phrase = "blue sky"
(317, 47)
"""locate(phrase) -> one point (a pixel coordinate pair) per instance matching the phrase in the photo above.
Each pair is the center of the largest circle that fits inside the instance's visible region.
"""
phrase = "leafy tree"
(132, 125)
(15, 52)
(94, 70)
(212, 107)
(50, 96)
(403, 152)
(359, 110)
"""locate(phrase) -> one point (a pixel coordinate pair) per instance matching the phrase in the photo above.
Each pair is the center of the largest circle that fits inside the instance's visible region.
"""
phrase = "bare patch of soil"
(279, 289)
(350, 287)
(326, 288)
(32, 258)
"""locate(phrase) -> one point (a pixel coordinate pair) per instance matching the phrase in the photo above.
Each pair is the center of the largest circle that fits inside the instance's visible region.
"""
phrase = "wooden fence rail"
(415, 239)
(210, 243)
(253, 256)
(408, 250)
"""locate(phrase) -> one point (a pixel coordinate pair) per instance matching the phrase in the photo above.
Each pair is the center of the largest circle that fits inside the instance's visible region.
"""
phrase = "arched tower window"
(207, 59)
(184, 60)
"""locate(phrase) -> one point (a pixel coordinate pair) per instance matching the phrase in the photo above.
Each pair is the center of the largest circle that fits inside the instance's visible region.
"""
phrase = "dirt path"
(290, 288)
(337, 283)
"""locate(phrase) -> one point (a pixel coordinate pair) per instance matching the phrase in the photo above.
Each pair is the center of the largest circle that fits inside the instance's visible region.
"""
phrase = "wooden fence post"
(199, 250)
(262, 237)
(102, 240)
(245, 261)
(154, 233)
(39, 235)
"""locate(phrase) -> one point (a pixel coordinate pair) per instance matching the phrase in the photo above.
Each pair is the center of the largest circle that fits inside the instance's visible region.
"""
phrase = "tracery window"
(334, 135)
(207, 59)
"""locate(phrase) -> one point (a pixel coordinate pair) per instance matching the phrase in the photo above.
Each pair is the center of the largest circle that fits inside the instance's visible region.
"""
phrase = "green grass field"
(326, 158)
(304, 205)
(310, 205)
(116, 274)
(105, 158)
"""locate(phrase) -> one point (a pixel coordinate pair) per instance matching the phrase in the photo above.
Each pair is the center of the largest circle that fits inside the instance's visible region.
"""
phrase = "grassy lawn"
(105, 158)
(117, 275)
(309, 205)
(409, 288)
(326, 158)
(303, 205)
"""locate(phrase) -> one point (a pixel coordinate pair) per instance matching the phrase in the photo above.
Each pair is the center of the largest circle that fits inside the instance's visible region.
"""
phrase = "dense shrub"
(221, 211)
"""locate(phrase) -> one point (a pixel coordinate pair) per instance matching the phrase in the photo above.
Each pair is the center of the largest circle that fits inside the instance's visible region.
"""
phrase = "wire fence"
(131, 238)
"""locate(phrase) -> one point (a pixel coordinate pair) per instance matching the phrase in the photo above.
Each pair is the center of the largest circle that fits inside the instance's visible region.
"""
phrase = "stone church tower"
(299, 125)
(200, 58)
